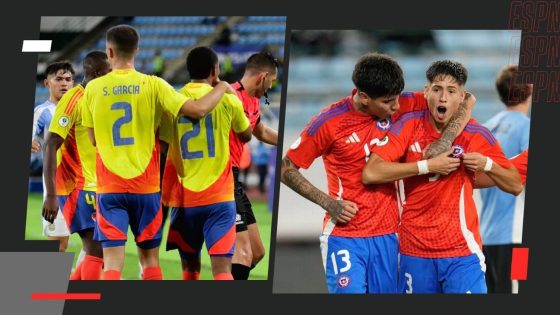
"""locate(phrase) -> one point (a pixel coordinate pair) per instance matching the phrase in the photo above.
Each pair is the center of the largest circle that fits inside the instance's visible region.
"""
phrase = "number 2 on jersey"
(188, 155)
(117, 139)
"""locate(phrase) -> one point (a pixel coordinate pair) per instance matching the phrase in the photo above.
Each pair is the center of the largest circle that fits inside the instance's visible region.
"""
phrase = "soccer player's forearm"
(455, 126)
(197, 109)
(271, 136)
(49, 163)
(292, 178)
(266, 134)
(507, 180)
(378, 171)
(483, 181)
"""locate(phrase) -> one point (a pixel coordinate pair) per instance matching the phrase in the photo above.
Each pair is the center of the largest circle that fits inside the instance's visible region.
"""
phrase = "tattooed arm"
(453, 128)
(341, 211)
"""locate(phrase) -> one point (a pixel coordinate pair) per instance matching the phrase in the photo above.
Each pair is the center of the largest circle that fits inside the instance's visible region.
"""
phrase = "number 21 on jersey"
(186, 153)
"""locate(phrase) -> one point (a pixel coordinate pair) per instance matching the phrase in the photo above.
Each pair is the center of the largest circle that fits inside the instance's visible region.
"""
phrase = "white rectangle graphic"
(36, 46)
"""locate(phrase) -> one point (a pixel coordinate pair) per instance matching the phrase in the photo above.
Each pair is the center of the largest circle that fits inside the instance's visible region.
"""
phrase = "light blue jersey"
(501, 217)
(42, 116)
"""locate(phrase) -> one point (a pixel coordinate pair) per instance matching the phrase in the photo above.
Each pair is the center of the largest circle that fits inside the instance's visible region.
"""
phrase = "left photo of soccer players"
(154, 145)
(404, 162)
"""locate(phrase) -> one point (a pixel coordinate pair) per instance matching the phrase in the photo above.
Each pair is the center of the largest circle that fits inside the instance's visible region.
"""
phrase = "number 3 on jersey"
(185, 152)
(117, 139)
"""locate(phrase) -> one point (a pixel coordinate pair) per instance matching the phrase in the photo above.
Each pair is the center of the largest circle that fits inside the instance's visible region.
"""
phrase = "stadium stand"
(483, 52)
(174, 35)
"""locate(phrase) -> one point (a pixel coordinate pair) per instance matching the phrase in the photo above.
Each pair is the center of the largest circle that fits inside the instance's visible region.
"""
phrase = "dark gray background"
(22, 20)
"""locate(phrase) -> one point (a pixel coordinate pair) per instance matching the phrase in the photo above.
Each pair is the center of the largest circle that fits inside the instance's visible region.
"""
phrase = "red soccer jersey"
(342, 136)
(520, 163)
(439, 217)
(252, 108)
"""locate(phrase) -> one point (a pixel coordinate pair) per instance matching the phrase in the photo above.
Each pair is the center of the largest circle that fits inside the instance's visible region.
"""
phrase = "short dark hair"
(95, 56)
(125, 39)
(200, 62)
(54, 67)
(262, 61)
(447, 67)
(378, 75)
(94, 61)
(511, 93)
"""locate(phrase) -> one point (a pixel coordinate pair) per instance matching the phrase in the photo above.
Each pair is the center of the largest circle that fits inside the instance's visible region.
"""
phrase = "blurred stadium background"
(234, 38)
(320, 70)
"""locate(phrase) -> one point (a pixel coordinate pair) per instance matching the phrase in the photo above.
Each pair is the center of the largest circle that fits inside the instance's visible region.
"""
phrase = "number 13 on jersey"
(343, 256)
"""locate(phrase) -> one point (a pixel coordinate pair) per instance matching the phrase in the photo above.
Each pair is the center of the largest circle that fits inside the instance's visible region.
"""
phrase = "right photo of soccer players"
(404, 162)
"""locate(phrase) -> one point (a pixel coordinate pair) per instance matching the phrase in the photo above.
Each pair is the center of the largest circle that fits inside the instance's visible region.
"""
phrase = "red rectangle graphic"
(66, 296)
(519, 263)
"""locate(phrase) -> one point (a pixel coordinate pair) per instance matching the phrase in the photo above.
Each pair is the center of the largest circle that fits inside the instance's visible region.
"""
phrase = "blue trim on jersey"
(323, 117)
(407, 94)
(398, 125)
(483, 131)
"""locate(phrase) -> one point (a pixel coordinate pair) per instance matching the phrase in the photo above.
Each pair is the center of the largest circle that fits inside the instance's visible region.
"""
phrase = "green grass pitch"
(170, 261)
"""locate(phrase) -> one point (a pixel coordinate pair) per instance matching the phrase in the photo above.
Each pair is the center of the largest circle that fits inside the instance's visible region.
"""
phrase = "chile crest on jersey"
(384, 124)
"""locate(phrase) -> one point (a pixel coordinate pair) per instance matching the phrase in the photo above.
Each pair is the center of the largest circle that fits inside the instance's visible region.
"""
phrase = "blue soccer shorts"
(360, 265)
(442, 275)
(78, 209)
(117, 211)
(214, 224)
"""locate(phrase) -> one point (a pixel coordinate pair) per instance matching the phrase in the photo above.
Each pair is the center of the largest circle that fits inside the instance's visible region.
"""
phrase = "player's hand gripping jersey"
(439, 216)
(125, 108)
(343, 137)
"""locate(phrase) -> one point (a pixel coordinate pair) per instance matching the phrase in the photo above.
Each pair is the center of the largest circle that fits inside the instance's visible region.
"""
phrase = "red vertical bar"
(519, 263)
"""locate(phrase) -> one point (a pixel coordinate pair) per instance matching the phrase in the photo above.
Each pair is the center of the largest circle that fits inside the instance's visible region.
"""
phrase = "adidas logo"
(353, 138)
(415, 147)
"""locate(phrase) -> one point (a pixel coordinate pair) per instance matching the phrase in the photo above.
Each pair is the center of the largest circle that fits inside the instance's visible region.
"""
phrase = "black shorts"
(245, 215)
(498, 267)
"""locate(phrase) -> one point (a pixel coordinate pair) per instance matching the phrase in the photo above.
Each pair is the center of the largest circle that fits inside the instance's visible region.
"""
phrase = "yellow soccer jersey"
(200, 168)
(124, 108)
(76, 157)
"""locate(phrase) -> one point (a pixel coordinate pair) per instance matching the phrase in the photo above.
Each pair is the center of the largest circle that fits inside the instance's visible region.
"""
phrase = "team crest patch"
(457, 151)
(343, 281)
(384, 124)
(63, 121)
